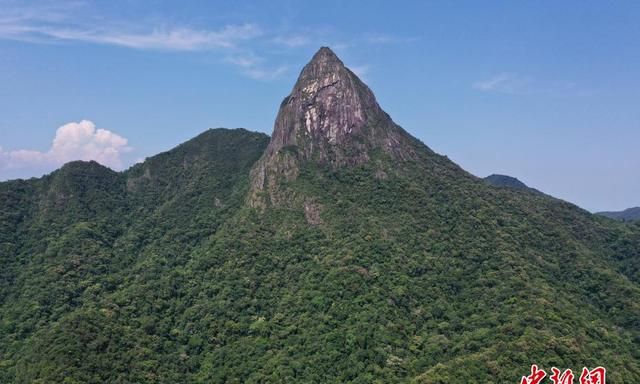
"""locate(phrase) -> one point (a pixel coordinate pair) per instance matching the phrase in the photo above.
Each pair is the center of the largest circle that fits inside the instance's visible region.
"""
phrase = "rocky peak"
(328, 106)
(331, 117)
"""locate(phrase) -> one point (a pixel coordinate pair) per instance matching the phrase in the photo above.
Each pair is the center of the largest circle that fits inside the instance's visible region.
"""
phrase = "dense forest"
(389, 269)
(162, 274)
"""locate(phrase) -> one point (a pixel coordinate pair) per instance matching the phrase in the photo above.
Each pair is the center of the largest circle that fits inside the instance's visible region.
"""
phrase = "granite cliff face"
(330, 117)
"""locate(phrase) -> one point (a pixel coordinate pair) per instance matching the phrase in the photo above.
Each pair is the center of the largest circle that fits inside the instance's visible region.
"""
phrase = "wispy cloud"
(516, 84)
(233, 43)
(165, 38)
(504, 83)
(379, 38)
(292, 41)
(254, 66)
(246, 60)
(177, 38)
(266, 73)
(54, 24)
(72, 141)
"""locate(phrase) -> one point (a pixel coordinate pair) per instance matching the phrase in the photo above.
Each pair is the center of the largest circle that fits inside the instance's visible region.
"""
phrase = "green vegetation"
(415, 272)
(629, 214)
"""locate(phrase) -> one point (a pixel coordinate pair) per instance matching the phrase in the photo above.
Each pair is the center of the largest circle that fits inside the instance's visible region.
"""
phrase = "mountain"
(505, 181)
(331, 118)
(629, 214)
(341, 249)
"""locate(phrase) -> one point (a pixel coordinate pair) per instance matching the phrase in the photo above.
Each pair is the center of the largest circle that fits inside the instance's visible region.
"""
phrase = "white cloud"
(388, 39)
(504, 83)
(265, 73)
(61, 23)
(174, 39)
(73, 141)
(252, 66)
(82, 22)
(244, 60)
(66, 21)
(292, 41)
(514, 84)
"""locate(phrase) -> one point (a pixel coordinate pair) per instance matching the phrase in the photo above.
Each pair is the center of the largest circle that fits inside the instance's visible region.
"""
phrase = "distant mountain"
(629, 214)
(506, 181)
(340, 250)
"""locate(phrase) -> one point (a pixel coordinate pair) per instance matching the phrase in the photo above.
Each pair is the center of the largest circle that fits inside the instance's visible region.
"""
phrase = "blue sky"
(545, 91)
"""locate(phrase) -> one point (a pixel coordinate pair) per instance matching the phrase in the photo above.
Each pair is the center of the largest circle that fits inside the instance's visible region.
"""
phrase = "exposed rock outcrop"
(330, 117)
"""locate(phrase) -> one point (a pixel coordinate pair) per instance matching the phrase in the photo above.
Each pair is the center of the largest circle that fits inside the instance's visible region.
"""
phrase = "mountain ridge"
(629, 214)
(505, 181)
